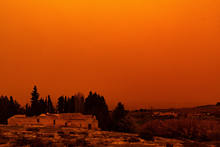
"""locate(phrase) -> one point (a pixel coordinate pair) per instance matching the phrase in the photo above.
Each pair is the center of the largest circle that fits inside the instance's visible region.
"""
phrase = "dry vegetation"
(199, 130)
(36, 136)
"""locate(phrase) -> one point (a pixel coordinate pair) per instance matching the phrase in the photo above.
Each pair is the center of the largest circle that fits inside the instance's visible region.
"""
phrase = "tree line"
(93, 104)
(8, 108)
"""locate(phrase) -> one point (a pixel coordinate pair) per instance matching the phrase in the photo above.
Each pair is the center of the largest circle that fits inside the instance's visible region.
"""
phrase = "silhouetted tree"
(50, 107)
(78, 103)
(119, 120)
(28, 110)
(65, 105)
(60, 104)
(71, 105)
(39, 106)
(35, 106)
(119, 112)
(9, 107)
(43, 105)
(95, 105)
(14, 107)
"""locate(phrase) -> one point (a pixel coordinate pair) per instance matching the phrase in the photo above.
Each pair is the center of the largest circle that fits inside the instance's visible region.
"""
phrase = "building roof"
(64, 116)
(18, 116)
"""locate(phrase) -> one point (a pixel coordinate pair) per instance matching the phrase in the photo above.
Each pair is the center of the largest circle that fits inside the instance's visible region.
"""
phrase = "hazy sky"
(160, 53)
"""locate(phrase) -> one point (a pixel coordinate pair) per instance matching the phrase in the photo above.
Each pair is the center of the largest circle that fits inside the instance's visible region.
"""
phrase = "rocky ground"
(58, 137)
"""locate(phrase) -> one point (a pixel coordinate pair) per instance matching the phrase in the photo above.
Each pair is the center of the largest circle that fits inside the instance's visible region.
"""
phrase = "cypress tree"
(50, 105)
(60, 105)
(35, 110)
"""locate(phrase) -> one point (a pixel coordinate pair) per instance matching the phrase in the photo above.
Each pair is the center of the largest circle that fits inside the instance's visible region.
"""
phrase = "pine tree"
(28, 110)
(9, 107)
(60, 105)
(119, 112)
(120, 122)
(96, 105)
(71, 104)
(35, 110)
(66, 105)
(43, 105)
(50, 105)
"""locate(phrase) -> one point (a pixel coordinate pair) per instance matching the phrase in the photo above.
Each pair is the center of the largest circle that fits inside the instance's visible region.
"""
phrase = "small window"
(38, 120)
(54, 122)
(89, 126)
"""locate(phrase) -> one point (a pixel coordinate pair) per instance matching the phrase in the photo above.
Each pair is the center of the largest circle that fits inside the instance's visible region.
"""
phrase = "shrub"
(33, 129)
(35, 142)
(3, 139)
(81, 142)
(201, 130)
(169, 145)
(133, 139)
(147, 135)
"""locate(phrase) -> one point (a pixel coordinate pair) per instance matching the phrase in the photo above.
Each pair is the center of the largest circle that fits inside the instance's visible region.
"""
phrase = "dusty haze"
(160, 53)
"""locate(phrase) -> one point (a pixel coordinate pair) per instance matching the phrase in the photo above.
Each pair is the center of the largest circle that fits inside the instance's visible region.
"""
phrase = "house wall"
(69, 120)
(22, 121)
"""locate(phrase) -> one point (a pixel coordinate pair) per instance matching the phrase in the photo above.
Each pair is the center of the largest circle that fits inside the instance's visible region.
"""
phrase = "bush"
(146, 135)
(79, 142)
(3, 138)
(133, 139)
(200, 130)
(33, 129)
(35, 142)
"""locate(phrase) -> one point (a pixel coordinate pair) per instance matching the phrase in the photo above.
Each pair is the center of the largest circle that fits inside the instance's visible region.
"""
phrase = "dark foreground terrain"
(36, 136)
(48, 136)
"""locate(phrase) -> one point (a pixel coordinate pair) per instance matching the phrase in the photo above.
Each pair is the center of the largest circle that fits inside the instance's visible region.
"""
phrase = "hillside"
(59, 137)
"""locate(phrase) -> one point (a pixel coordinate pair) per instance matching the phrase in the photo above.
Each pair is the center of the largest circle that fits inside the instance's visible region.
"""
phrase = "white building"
(76, 120)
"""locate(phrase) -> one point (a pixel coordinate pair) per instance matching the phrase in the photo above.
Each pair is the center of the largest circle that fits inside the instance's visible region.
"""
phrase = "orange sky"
(160, 53)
